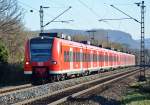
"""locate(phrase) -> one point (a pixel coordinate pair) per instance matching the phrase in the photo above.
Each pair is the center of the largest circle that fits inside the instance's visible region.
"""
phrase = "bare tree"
(10, 16)
(11, 25)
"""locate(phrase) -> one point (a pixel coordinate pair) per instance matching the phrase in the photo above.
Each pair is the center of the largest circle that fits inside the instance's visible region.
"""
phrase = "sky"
(85, 15)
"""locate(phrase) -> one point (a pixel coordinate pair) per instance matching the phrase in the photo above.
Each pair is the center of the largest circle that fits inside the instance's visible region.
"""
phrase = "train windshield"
(40, 49)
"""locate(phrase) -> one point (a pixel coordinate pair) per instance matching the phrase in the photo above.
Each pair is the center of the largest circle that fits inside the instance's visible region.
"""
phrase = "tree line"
(11, 31)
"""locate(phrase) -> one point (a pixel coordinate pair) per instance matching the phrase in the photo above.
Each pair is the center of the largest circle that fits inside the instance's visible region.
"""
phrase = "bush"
(3, 53)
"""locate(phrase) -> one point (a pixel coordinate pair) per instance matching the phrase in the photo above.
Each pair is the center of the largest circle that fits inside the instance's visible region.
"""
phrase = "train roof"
(63, 38)
(78, 44)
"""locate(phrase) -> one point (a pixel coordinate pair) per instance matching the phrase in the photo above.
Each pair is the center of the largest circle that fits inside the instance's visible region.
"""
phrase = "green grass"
(136, 96)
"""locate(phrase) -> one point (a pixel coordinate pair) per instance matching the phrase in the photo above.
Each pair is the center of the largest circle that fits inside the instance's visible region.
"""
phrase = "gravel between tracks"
(111, 96)
(44, 89)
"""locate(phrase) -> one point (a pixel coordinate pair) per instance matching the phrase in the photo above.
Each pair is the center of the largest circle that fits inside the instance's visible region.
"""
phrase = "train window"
(87, 57)
(100, 58)
(65, 56)
(70, 56)
(95, 57)
(91, 57)
(77, 57)
(40, 49)
(115, 58)
(110, 58)
(82, 57)
(74, 57)
(105, 58)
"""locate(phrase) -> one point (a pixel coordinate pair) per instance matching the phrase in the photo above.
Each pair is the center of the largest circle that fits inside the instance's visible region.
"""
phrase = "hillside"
(112, 35)
(147, 43)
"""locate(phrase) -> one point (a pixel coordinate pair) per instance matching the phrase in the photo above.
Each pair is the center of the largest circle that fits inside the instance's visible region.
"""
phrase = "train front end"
(38, 56)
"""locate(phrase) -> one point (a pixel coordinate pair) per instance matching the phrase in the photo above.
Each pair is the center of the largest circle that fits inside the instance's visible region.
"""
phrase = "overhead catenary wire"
(57, 16)
(115, 19)
(125, 13)
(93, 12)
(89, 8)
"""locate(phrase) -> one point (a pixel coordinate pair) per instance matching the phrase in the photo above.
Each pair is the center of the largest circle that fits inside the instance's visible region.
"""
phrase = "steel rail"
(14, 88)
(63, 94)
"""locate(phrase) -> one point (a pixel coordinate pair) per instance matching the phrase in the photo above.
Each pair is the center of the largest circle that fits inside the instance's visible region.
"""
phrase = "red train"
(51, 57)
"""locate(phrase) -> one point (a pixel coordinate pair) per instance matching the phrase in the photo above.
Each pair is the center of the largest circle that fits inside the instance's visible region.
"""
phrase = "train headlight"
(54, 62)
(27, 63)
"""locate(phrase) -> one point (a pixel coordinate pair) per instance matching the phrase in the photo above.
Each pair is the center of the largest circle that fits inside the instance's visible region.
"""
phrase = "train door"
(81, 60)
(103, 58)
(71, 58)
(97, 59)
(91, 58)
(106, 58)
(88, 58)
(113, 59)
(65, 53)
(110, 59)
(75, 66)
(94, 59)
(78, 58)
(119, 59)
(84, 60)
(100, 59)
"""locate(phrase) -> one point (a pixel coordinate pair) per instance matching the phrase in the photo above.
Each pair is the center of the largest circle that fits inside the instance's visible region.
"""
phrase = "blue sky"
(86, 16)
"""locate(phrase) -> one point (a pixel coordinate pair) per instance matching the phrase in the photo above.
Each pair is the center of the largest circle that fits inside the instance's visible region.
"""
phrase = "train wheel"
(62, 77)
(52, 78)
(55, 78)
(83, 74)
(87, 73)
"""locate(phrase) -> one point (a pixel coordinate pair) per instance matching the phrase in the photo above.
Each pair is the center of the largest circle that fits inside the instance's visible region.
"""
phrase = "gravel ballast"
(19, 96)
(111, 96)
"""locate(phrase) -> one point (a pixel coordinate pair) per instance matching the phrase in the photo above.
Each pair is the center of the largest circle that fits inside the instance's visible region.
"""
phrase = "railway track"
(14, 88)
(63, 95)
